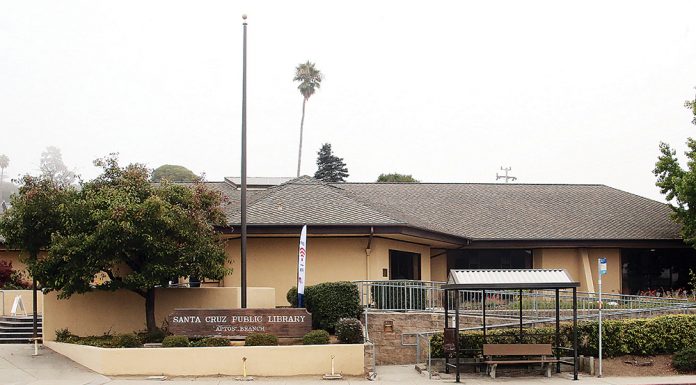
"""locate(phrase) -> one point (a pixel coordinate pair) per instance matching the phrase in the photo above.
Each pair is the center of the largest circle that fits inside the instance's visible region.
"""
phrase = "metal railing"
(400, 295)
(411, 295)
(502, 306)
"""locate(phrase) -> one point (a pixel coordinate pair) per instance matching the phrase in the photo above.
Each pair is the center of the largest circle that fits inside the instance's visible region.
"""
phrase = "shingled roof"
(468, 210)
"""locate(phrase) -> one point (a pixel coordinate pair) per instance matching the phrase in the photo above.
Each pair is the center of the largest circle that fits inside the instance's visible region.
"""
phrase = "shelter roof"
(478, 279)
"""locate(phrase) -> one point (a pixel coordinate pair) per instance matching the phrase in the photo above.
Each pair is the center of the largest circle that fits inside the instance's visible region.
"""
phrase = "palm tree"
(310, 80)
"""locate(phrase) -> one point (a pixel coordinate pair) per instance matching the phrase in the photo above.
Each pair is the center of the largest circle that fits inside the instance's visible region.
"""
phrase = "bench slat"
(517, 350)
(521, 362)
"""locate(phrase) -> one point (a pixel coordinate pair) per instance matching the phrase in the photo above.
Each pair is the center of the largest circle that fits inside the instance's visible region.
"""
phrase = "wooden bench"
(534, 353)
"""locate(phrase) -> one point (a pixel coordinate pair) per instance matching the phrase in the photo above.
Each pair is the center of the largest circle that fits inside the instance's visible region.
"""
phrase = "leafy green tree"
(396, 177)
(137, 233)
(33, 217)
(330, 167)
(173, 173)
(310, 81)
(679, 184)
(53, 168)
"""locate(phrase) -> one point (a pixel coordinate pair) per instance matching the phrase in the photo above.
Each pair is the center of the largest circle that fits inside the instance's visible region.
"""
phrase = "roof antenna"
(506, 177)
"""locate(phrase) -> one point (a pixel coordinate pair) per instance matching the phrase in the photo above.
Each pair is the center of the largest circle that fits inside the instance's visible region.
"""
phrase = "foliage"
(173, 173)
(4, 161)
(659, 335)
(53, 168)
(152, 336)
(330, 167)
(35, 214)
(692, 281)
(211, 342)
(396, 177)
(261, 339)
(62, 335)
(349, 331)
(11, 279)
(399, 295)
(316, 337)
(309, 77)
(678, 184)
(691, 104)
(138, 234)
(126, 341)
(685, 359)
(328, 302)
(310, 80)
(175, 342)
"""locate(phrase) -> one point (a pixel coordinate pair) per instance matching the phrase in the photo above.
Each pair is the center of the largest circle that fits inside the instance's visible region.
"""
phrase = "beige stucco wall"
(261, 360)
(438, 267)
(272, 262)
(581, 264)
(123, 311)
(8, 296)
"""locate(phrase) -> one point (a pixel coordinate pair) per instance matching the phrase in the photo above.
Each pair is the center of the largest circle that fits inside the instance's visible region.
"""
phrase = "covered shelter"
(487, 281)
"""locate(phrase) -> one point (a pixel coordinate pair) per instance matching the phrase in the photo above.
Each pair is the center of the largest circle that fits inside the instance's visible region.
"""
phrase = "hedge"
(316, 337)
(261, 339)
(328, 302)
(661, 335)
(685, 360)
(349, 331)
(175, 342)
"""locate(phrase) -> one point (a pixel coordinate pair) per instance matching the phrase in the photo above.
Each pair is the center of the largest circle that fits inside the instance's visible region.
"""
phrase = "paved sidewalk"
(19, 367)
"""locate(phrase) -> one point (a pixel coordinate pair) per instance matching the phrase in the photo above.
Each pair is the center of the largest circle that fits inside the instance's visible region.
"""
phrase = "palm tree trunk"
(299, 155)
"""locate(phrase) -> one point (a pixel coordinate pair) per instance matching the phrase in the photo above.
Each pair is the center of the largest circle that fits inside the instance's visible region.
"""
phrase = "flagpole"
(243, 250)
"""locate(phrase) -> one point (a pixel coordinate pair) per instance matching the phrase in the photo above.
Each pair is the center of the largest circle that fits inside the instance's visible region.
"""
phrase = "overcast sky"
(561, 91)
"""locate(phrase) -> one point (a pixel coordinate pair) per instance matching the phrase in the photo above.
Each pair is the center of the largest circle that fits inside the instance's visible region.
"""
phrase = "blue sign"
(602, 266)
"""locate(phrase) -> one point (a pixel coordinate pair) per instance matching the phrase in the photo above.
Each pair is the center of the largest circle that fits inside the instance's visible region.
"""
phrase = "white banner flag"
(301, 262)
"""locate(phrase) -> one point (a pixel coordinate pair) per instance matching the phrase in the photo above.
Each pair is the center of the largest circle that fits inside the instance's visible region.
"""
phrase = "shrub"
(154, 336)
(328, 302)
(349, 331)
(685, 360)
(261, 339)
(175, 342)
(316, 337)
(126, 341)
(11, 279)
(62, 335)
(660, 335)
(211, 342)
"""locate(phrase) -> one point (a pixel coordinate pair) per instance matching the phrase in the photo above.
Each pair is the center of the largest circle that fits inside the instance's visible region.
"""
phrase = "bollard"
(333, 375)
(244, 376)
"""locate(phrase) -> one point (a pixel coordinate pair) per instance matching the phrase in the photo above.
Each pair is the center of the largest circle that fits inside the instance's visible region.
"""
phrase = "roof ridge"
(473, 183)
(308, 180)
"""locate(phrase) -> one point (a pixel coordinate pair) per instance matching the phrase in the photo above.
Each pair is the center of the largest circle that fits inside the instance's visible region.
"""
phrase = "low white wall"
(261, 360)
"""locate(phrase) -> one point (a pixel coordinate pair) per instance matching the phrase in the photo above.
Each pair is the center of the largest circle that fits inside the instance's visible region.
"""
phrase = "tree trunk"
(299, 156)
(33, 306)
(150, 310)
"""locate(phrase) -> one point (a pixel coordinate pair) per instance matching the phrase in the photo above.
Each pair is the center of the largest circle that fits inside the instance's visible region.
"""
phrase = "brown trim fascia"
(349, 230)
(575, 243)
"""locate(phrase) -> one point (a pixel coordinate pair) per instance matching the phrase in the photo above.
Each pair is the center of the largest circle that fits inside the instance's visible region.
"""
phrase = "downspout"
(368, 250)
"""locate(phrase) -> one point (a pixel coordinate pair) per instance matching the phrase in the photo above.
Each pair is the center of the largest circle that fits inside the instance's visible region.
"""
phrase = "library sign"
(287, 322)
